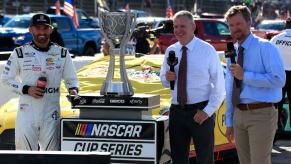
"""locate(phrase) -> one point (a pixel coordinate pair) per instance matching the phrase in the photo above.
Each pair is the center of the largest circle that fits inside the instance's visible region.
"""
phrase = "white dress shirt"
(205, 80)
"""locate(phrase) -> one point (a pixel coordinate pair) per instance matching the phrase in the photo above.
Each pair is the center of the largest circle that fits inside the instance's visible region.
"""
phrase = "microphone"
(230, 53)
(172, 62)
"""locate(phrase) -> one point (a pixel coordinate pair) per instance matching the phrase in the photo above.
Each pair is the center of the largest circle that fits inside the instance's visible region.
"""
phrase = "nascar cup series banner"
(128, 141)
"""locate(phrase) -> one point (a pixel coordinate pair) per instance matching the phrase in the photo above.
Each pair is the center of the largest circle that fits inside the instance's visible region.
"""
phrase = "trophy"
(116, 99)
(117, 28)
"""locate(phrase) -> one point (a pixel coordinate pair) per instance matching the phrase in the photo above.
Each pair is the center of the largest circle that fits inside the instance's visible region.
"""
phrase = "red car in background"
(259, 33)
(213, 31)
(271, 27)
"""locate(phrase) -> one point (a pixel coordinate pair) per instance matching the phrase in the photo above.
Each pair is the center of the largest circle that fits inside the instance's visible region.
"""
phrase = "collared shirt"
(264, 75)
(283, 42)
(205, 79)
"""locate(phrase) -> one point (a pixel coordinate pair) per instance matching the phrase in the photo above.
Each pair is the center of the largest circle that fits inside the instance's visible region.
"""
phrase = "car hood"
(5, 30)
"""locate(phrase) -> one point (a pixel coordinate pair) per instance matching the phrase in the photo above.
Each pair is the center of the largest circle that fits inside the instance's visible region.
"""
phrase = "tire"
(89, 51)
(7, 140)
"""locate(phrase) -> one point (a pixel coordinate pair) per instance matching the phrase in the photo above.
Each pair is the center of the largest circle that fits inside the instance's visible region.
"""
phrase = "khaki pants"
(254, 131)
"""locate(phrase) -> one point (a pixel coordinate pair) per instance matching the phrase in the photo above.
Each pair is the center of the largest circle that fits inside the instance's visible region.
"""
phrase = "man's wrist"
(74, 88)
(25, 89)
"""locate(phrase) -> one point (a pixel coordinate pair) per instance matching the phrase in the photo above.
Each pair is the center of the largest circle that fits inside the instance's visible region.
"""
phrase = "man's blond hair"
(244, 10)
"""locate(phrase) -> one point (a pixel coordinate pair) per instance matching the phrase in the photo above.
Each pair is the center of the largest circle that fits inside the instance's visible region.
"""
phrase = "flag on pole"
(169, 12)
(75, 18)
(58, 7)
(70, 10)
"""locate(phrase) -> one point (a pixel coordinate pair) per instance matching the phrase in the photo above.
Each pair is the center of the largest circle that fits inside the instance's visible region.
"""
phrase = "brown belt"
(254, 106)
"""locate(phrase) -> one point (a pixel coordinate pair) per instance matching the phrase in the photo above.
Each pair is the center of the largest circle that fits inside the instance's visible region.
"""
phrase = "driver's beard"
(41, 39)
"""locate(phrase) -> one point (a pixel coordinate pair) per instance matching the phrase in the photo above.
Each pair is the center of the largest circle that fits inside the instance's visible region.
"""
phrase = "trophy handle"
(130, 25)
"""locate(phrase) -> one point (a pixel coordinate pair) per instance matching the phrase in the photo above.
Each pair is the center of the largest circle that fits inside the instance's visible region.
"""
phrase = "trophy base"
(114, 107)
(137, 101)
(116, 89)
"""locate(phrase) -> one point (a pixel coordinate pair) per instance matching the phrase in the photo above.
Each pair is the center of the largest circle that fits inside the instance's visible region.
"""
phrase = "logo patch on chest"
(50, 68)
(36, 68)
(29, 54)
(23, 107)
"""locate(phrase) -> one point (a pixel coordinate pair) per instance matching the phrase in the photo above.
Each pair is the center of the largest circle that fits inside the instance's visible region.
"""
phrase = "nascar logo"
(108, 130)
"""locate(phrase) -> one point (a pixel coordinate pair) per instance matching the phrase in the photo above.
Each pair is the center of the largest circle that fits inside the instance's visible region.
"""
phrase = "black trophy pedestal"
(114, 107)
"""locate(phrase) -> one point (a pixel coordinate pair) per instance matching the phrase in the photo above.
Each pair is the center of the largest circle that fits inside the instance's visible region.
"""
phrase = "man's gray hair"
(184, 13)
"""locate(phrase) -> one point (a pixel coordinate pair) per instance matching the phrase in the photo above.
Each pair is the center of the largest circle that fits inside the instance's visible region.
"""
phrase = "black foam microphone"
(172, 62)
(230, 53)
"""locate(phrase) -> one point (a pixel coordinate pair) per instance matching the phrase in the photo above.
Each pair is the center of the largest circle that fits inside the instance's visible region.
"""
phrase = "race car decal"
(8, 62)
(23, 107)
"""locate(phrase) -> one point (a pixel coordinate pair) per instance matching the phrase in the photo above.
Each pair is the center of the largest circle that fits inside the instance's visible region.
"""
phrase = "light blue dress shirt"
(264, 75)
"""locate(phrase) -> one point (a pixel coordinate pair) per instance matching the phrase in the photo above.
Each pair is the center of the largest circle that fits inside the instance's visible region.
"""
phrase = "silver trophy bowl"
(116, 28)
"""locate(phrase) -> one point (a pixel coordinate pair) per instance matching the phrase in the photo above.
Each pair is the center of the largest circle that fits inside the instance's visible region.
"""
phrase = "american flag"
(70, 10)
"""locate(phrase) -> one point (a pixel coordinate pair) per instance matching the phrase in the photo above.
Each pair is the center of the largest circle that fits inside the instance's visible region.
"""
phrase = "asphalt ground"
(281, 153)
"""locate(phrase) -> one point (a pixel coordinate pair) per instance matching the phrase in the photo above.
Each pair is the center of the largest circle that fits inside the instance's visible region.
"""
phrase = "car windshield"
(215, 28)
(271, 26)
(141, 14)
(18, 22)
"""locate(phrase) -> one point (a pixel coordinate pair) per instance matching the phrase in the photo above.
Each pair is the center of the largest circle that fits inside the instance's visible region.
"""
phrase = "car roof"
(150, 19)
(31, 14)
(273, 21)
(211, 15)
(139, 13)
(62, 8)
(153, 22)
(211, 19)
(271, 25)
(132, 10)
